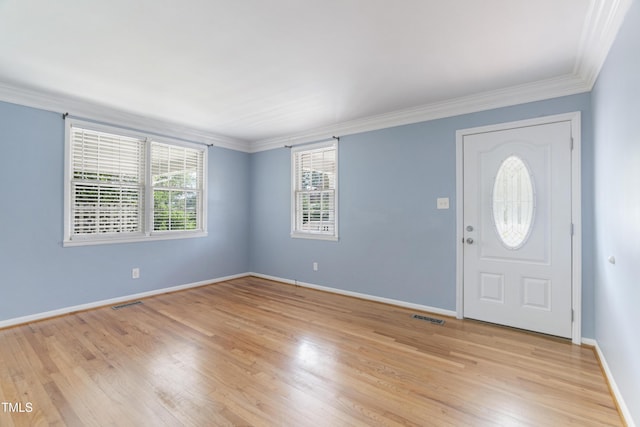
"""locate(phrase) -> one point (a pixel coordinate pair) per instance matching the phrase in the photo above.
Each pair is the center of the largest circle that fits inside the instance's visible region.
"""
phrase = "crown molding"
(601, 27)
(514, 95)
(36, 98)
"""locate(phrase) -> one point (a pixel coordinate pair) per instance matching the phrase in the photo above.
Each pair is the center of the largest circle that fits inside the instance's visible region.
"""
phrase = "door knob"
(469, 228)
(469, 240)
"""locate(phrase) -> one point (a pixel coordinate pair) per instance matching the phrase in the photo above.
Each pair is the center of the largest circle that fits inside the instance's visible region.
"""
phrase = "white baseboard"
(451, 313)
(399, 303)
(624, 410)
(112, 301)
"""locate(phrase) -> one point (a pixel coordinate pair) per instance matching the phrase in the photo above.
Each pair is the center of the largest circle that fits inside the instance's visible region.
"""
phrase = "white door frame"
(576, 210)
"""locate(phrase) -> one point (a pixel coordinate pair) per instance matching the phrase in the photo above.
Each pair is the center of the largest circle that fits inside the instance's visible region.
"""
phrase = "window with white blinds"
(122, 186)
(314, 197)
(177, 187)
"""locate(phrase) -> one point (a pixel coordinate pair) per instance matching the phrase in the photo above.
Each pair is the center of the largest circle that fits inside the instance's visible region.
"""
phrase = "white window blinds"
(177, 187)
(128, 187)
(107, 185)
(314, 194)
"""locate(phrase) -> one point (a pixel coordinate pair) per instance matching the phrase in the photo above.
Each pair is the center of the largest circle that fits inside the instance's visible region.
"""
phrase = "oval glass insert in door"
(513, 202)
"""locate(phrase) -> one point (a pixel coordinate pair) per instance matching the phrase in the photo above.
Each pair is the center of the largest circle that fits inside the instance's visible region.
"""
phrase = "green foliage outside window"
(316, 203)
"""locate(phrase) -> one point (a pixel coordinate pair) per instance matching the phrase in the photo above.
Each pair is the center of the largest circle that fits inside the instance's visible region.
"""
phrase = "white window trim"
(148, 234)
(296, 234)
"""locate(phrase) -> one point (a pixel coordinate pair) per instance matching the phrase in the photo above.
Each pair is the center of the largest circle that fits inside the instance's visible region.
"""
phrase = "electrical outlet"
(442, 203)
(135, 273)
(315, 266)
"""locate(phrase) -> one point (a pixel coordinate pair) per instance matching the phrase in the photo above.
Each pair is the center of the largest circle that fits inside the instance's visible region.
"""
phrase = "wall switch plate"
(135, 273)
(443, 203)
(315, 266)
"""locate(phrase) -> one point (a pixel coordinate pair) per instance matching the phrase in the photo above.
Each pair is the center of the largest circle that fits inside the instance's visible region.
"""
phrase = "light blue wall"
(394, 243)
(38, 275)
(616, 114)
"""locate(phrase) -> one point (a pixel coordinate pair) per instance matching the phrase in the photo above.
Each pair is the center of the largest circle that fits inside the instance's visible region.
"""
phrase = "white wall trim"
(603, 21)
(576, 209)
(113, 301)
(367, 297)
(569, 84)
(78, 108)
(537, 91)
(602, 24)
(576, 220)
(622, 406)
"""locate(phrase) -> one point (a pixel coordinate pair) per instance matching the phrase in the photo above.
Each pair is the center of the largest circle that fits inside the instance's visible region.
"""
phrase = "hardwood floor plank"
(260, 353)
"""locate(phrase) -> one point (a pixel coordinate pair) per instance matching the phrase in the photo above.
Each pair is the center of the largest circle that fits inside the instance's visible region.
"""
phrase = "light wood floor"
(261, 353)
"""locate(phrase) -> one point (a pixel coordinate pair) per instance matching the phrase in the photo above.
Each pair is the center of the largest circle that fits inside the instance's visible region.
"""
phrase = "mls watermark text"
(16, 407)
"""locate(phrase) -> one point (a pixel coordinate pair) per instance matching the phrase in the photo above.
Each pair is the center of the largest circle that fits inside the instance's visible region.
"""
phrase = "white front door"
(517, 227)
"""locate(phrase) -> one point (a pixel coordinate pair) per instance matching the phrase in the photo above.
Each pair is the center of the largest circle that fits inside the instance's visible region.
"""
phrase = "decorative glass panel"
(513, 202)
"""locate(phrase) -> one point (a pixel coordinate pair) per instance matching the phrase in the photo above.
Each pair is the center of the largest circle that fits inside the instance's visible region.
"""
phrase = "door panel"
(517, 250)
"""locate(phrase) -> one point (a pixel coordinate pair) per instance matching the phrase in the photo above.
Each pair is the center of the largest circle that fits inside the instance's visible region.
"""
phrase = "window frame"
(304, 234)
(147, 233)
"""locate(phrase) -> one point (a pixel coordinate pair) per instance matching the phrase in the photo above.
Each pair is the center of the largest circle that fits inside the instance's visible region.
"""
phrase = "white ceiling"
(256, 71)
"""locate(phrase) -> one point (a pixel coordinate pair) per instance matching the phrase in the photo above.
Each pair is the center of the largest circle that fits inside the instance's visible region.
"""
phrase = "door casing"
(576, 208)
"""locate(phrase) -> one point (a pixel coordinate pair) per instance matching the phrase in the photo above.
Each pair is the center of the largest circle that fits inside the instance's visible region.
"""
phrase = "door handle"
(469, 240)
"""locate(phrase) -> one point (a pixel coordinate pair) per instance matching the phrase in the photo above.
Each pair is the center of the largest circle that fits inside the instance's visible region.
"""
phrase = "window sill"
(133, 239)
(314, 236)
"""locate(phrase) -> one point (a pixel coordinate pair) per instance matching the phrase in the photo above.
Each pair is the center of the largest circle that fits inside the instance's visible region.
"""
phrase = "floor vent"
(128, 304)
(428, 319)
